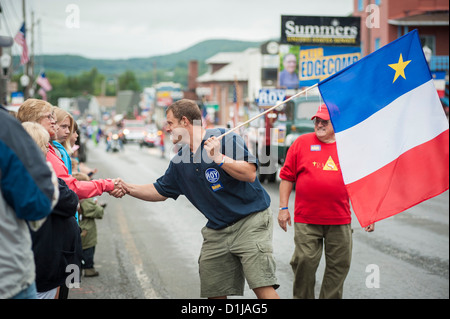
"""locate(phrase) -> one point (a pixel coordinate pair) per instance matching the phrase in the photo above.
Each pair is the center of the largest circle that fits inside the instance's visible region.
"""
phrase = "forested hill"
(74, 64)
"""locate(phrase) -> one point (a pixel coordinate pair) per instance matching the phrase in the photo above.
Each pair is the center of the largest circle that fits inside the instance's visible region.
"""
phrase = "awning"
(426, 19)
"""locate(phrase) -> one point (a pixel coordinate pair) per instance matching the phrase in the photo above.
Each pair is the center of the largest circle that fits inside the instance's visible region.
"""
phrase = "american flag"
(21, 40)
(44, 82)
(42, 93)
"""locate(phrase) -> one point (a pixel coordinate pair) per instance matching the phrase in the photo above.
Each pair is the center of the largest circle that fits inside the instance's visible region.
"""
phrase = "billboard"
(312, 30)
(302, 66)
(288, 72)
(313, 48)
(318, 63)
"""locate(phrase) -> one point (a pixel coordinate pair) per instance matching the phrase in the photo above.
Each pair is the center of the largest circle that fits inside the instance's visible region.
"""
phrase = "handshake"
(120, 188)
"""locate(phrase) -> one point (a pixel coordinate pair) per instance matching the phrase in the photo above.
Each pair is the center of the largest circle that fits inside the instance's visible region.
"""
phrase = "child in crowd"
(89, 210)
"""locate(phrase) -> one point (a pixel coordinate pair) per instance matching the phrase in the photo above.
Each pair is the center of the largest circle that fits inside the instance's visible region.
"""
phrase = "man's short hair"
(187, 108)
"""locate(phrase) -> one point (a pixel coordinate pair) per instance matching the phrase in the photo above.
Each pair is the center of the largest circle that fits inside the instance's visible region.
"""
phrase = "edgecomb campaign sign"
(318, 63)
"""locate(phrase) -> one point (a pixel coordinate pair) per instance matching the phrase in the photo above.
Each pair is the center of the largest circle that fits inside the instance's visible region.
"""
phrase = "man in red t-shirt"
(322, 210)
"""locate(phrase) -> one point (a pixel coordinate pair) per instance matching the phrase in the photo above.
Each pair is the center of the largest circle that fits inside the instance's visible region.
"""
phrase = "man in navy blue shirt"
(218, 176)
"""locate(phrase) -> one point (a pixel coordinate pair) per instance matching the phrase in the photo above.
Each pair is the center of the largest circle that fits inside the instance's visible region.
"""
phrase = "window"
(377, 44)
(360, 5)
(233, 93)
(429, 41)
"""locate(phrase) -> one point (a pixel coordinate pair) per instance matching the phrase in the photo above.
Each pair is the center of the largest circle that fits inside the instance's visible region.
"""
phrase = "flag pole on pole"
(267, 111)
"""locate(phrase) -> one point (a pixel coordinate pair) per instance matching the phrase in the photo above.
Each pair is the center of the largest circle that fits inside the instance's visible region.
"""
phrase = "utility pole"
(31, 61)
(154, 73)
(5, 64)
(25, 72)
(26, 89)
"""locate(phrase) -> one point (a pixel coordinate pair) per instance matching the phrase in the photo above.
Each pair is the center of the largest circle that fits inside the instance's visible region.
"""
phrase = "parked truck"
(292, 121)
(281, 128)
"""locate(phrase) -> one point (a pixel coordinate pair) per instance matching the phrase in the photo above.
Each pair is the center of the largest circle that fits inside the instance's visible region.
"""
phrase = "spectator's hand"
(283, 218)
(118, 190)
(92, 172)
(370, 228)
(124, 187)
(212, 147)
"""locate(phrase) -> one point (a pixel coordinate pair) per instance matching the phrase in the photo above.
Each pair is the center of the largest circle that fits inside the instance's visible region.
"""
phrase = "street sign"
(17, 98)
(270, 97)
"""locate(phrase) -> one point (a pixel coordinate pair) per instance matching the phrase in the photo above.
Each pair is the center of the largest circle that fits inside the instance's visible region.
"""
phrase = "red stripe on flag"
(20, 39)
(417, 175)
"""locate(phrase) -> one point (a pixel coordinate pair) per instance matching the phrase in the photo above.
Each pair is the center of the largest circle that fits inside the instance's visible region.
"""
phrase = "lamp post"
(5, 62)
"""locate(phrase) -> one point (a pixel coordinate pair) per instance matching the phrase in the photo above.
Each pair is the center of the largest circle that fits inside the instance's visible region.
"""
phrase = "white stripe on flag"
(412, 119)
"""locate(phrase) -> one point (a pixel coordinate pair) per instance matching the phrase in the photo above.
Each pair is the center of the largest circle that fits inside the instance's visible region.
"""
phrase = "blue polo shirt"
(221, 198)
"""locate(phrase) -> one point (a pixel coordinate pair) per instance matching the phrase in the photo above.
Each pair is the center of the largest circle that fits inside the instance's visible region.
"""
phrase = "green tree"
(128, 81)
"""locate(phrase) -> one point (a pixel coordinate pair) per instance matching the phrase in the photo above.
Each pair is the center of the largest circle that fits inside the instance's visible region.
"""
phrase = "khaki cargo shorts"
(238, 252)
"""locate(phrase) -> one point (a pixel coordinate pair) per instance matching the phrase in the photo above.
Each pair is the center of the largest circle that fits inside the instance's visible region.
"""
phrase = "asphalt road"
(150, 250)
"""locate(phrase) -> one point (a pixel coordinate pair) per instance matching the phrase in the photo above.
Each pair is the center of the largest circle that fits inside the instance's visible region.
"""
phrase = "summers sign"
(309, 30)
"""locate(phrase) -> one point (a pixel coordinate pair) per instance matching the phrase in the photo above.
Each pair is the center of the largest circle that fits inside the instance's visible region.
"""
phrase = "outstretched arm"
(146, 192)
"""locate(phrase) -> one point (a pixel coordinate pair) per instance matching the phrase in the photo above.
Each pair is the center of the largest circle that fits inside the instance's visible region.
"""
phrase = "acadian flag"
(392, 135)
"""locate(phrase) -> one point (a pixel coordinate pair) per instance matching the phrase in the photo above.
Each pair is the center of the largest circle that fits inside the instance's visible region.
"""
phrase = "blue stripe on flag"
(368, 84)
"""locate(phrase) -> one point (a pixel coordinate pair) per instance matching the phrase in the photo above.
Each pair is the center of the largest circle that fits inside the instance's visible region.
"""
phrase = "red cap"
(322, 113)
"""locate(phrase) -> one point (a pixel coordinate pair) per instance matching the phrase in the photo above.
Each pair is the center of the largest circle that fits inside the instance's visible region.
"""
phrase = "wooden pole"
(267, 111)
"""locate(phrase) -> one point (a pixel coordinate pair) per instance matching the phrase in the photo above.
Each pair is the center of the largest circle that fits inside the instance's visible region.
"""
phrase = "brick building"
(383, 21)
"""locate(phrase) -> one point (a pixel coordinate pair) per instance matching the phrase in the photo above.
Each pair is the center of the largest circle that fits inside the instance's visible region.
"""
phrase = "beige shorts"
(238, 252)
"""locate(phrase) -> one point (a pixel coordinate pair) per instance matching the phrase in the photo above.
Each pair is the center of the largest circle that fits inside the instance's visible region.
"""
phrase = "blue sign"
(271, 97)
(318, 63)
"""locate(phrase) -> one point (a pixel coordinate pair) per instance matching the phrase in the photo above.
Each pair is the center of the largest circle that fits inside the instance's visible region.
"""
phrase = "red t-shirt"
(320, 194)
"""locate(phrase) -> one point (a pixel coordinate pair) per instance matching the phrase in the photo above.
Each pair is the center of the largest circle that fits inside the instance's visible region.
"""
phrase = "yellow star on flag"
(399, 68)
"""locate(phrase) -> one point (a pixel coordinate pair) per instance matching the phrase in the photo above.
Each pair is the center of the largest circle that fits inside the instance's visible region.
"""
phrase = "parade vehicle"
(113, 141)
(259, 134)
(293, 120)
(133, 130)
(270, 141)
(262, 149)
(151, 138)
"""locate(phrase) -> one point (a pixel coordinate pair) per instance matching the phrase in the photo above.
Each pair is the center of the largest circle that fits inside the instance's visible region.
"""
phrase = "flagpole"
(236, 104)
(267, 111)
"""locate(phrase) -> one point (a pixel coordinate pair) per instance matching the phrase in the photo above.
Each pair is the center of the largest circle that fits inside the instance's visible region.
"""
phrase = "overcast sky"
(143, 28)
